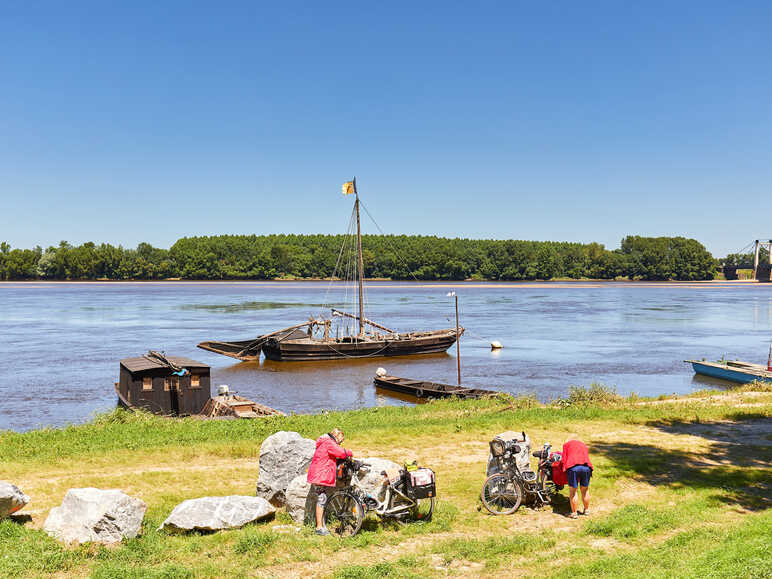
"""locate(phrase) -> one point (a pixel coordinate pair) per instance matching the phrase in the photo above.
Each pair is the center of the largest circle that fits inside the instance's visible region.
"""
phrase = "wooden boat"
(233, 405)
(424, 389)
(734, 371)
(239, 349)
(314, 340)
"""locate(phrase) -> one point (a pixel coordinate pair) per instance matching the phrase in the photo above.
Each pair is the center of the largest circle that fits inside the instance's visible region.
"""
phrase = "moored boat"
(425, 389)
(355, 336)
(239, 349)
(734, 371)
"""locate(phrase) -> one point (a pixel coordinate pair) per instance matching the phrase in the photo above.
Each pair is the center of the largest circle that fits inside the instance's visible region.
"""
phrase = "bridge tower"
(762, 272)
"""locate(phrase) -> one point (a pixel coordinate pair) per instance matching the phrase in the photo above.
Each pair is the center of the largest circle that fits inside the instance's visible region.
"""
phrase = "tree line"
(399, 257)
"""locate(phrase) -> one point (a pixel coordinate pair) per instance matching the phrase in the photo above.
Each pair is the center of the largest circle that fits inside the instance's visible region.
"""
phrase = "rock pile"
(101, 516)
(217, 513)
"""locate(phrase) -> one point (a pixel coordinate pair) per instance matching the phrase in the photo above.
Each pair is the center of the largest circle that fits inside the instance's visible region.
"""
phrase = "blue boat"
(734, 371)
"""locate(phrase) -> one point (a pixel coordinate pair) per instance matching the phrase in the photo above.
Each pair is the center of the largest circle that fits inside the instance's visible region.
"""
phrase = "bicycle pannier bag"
(421, 483)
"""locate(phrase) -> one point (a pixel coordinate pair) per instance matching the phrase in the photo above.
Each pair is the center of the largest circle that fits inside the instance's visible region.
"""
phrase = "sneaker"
(322, 531)
(586, 512)
(570, 516)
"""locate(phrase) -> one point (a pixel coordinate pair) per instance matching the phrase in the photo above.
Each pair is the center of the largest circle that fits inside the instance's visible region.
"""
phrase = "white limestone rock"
(101, 516)
(300, 500)
(217, 513)
(283, 456)
(11, 499)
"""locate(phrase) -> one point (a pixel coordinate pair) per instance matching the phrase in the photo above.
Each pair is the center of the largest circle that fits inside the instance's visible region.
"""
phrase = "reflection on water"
(62, 342)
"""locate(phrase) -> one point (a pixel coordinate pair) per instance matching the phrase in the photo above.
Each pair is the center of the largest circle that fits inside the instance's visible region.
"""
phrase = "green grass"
(687, 510)
(121, 431)
(738, 551)
(494, 551)
(633, 521)
(401, 568)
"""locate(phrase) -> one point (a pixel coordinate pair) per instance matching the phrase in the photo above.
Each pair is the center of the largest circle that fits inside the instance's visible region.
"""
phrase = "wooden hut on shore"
(170, 385)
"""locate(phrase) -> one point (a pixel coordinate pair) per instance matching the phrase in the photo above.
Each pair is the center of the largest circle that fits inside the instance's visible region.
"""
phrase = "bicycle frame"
(386, 507)
(541, 489)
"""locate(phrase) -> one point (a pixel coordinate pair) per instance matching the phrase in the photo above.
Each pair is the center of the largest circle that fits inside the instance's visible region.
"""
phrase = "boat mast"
(360, 266)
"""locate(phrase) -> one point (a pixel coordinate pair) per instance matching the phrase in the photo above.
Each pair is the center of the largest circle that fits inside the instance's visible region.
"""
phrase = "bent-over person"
(321, 473)
(578, 469)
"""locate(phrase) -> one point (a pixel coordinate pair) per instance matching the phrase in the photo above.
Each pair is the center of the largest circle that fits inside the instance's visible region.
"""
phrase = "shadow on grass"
(20, 519)
(736, 462)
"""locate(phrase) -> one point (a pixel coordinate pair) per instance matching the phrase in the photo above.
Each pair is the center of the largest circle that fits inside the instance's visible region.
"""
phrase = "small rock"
(101, 516)
(217, 513)
(283, 456)
(285, 529)
(11, 499)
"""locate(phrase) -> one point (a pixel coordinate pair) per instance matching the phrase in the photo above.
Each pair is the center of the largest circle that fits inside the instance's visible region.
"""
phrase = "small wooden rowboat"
(424, 389)
(233, 405)
(734, 371)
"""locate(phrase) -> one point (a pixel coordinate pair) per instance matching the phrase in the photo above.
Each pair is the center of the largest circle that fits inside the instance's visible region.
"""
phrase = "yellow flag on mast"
(348, 188)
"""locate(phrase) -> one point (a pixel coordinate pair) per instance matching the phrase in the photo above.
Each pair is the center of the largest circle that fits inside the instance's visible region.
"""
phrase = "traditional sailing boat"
(313, 340)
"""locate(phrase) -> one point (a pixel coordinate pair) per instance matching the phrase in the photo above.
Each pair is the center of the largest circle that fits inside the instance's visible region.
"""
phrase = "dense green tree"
(398, 257)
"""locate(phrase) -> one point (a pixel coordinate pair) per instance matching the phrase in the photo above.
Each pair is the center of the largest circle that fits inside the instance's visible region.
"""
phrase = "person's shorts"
(321, 494)
(579, 474)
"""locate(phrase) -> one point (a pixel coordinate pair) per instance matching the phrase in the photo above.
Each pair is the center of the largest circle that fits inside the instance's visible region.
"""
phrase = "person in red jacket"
(578, 469)
(321, 473)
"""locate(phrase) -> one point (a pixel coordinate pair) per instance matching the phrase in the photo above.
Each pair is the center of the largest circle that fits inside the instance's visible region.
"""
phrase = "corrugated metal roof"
(143, 363)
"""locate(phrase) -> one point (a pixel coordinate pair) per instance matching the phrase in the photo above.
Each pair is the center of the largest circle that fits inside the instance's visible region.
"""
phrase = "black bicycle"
(347, 508)
(503, 491)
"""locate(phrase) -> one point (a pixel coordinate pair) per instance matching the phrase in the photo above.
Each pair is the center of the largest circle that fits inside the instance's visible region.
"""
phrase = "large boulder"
(217, 513)
(301, 499)
(523, 459)
(283, 456)
(11, 498)
(101, 516)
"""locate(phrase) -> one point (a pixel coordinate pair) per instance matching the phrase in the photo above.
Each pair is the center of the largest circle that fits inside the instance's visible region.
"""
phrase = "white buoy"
(381, 372)
(496, 345)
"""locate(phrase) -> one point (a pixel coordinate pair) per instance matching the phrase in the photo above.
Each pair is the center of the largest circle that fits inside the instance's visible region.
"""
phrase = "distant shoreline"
(383, 282)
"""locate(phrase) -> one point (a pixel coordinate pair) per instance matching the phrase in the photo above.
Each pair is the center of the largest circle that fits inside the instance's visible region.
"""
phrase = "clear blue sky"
(580, 121)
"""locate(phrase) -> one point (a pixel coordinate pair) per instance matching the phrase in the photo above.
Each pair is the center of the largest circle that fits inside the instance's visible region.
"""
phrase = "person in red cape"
(578, 468)
(321, 473)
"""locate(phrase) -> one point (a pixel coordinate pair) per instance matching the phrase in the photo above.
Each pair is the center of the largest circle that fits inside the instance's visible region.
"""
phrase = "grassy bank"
(681, 489)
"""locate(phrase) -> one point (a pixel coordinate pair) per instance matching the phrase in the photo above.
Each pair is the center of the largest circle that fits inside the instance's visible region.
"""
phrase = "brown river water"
(60, 343)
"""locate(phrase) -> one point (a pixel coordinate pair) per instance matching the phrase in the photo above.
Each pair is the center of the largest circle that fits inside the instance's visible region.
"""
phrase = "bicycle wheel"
(501, 495)
(423, 510)
(343, 514)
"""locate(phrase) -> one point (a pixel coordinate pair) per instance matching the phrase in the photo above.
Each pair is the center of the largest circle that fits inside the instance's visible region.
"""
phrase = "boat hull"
(308, 350)
(247, 350)
(424, 389)
(732, 374)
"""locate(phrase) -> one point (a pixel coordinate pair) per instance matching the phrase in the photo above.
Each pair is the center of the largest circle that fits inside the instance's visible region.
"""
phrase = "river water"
(60, 343)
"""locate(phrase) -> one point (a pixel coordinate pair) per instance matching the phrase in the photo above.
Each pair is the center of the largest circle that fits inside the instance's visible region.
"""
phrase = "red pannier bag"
(558, 476)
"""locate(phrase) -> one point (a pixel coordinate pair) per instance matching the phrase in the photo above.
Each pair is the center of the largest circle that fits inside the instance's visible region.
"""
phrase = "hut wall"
(174, 397)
